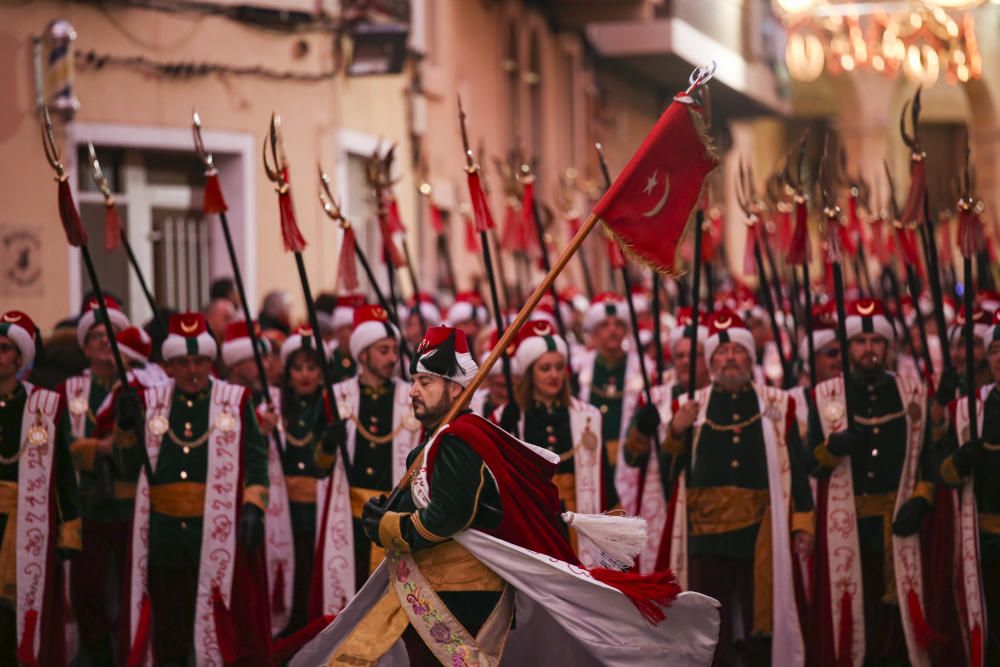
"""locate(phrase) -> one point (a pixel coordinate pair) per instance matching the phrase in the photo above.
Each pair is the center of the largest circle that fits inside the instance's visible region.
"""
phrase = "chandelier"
(923, 40)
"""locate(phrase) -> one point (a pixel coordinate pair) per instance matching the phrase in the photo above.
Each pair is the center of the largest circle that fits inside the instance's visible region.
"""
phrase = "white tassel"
(613, 540)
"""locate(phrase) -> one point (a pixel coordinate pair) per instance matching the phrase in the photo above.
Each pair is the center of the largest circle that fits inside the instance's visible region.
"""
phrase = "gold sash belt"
(8, 549)
(882, 505)
(179, 499)
(723, 509)
(301, 488)
(989, 523)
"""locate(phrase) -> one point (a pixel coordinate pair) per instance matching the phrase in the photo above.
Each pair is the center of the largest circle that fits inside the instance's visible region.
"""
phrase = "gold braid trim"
(71, 535)
(924, 490)
(826, 458)
(949, 473)
(256, 494)
(421, 529)
(390, 534)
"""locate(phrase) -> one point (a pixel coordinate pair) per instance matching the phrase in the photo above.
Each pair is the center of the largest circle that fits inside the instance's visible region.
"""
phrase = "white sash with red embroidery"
(967, 536)
(334, 522)
(218, 540)
(34, 487)
(843, 551)
(843, 548)
(652, 505)
(787, 646)
(626, 477)
(78, 402)
(279, 548)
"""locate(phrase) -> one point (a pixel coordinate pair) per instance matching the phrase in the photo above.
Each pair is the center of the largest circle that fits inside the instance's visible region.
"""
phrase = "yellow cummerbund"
(8, 497)
(990, 523)
(875, 504)
(301, 489)
(450, 567)
(723, 509)
(124, 491)
(179, 499)
(361, 496)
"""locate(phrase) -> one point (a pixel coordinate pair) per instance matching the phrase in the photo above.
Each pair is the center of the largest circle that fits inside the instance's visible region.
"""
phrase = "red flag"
(214, 201)
(471, 229)
(69, 216)
(648, 207)
(906, 241)
(390, 252)
(574, 225)
(710, 235)
(970, 229)
(510, 234)
(437, 223)
(798, 246)
(395, 221)
(615, 255)
(112, 225)
(480, 207)
(290, 234)
(347, 269)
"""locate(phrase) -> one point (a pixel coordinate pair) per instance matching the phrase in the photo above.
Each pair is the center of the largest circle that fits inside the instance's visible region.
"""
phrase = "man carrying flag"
(478, 527)
(509, 538)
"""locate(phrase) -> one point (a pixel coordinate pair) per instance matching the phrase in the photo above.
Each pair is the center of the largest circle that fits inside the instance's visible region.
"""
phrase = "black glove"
(371, 516)
(843, 443)
(647, 420)
(909, 517)
(510, 418)
(334, 436)
(967, 457)
(128, 409)
(251, 531)
(948, 386)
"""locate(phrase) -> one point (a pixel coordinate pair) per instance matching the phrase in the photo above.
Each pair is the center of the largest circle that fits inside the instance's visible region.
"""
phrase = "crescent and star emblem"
(651, 183)
(379, 313)
(724, 324)
(189, 327)
(544, 329)
(11, 317)
(865, 311)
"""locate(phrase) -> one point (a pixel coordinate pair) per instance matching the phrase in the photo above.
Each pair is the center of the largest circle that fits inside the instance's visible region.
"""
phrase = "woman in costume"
(546, 415)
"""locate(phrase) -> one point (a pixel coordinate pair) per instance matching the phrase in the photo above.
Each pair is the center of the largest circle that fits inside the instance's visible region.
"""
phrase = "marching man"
(476, 532)
(196, 583)
(378, 430)
(651, 476)
(105, 500)
(872, 501)
(973, 469)
(39, 513)
(743, 502)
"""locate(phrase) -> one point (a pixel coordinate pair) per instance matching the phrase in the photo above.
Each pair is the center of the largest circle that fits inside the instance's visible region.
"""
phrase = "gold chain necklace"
(878, 421)
(990, 447)
(371, 437)
(191, 444)
(732, 427)
(5, 460)
(299, 442)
